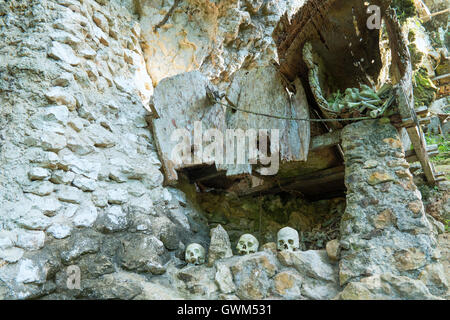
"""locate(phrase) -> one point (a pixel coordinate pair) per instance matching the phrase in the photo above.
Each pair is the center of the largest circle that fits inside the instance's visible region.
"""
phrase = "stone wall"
(215, 37)
(388, 246)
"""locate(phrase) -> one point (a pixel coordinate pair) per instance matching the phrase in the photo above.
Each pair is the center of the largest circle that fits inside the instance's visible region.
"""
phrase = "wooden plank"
(181, 102)
(444, 90)
(422, 111)
(424, 121)
(444, 76)
(428, 17)
(423, 11)
(416, 136)
(151, 108)
(430, 148)
(407, 123)
(263, 90)
(402, 71)
(184, 110)
(303, 182)
(443, 83)
(326, 140)
(413, 158)
(323, 176)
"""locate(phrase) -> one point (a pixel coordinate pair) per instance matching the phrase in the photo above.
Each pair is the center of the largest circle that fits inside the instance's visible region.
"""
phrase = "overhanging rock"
(349, 56)
(338, 33)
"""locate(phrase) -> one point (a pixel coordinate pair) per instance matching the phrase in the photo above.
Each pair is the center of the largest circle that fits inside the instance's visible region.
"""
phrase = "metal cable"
(289, 118)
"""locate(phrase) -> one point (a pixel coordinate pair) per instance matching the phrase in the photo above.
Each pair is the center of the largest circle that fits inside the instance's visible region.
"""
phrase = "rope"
(289, 118)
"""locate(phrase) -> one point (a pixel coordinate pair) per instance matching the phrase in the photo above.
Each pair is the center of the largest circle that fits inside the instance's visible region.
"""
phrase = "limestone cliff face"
(215, 37)
(78, 161)
(81, 186)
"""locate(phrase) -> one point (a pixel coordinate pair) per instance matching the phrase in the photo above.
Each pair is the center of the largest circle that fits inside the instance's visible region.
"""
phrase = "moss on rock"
(416, 55)
(404, 9)
(424, 89)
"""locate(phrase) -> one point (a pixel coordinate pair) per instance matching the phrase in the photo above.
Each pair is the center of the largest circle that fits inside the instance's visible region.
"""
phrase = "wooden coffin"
(183, 101)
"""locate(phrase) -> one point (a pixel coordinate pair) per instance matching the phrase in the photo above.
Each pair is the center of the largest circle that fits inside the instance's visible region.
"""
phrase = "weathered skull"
(247, 244)
(287, 239)
(195, 254)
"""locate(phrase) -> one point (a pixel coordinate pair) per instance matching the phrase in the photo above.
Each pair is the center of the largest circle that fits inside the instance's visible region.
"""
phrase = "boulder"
(253, 275)
(386, 287)
(143, 253)
(220, 245)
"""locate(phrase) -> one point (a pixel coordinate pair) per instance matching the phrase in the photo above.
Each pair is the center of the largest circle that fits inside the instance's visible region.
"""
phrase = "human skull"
(247, 244)
(287, 239)
(195, 254)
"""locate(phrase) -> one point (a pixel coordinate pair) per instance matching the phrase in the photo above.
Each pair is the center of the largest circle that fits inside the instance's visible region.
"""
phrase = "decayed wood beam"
(326, 140)
(313, 179)
(422, 10)
(424, 121)
(209, 176)
(402, 71)
(415, 134)
(262, 189)
(320, 177)
(303, 182)
(411, 156)
(444, 76)
(428, 17)
(430, 148)
(443, 83)
(408, 123)
(422, 111)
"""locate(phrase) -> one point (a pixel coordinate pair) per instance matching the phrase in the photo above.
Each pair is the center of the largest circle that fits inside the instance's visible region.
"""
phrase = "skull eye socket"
(196, 251)
(291, 241)
(281, 242)
(250, 244)
(241, 243)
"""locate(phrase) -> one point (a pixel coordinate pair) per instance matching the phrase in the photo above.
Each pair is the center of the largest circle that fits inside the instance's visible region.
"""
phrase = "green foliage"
(436, 40)
(443, 142)
(404, 9)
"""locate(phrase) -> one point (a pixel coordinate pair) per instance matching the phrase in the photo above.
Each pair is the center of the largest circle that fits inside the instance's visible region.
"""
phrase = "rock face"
(220, 246)
(80, 174)
(385, 235)
(318, 273)
(223, 38)
(84, 213)
(386, 286)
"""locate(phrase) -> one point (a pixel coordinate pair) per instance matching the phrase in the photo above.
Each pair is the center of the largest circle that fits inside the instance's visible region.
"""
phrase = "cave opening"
(308, 191)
